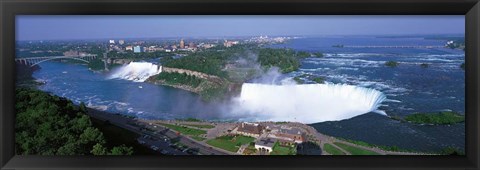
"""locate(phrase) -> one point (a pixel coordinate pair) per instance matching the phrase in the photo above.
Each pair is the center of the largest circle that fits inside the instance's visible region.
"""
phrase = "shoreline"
(130, 122)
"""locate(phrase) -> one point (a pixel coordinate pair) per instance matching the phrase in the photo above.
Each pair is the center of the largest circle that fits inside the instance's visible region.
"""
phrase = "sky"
(58, 27)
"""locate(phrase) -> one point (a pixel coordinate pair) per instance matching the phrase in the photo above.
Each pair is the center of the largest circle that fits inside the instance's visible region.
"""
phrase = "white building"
(121, 42)
(265, 144)
(111, 41)
(138, 49)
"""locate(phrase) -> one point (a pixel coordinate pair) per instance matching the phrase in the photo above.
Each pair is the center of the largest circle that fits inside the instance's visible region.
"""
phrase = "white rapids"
(136, 71)
(308, 103)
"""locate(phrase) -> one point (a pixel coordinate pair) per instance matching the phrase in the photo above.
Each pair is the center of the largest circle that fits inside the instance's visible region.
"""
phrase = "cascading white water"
(136, 71)
(308, 103)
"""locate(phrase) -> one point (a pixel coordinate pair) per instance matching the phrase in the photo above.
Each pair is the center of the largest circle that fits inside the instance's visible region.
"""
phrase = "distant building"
(129, 48)
(229, 43)
(288, 135)
(159, 48)
(249, 129)
(182, 44)
(191, 45)
(111, 41)
(82, 54)
(138, 49)
(70, 53)
(151, 49)
(208, 45)
(265, 144)
(121, 42)
(138, 42)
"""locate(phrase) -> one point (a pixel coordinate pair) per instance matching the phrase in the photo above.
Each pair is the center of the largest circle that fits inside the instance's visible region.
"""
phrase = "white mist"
(136, 71)
(307, 103)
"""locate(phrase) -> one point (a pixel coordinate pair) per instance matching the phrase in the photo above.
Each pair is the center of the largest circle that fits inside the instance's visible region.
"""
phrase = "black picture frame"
(10, 8)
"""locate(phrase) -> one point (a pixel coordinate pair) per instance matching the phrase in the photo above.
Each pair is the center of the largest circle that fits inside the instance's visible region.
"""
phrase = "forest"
(213, 61)
(52, 125)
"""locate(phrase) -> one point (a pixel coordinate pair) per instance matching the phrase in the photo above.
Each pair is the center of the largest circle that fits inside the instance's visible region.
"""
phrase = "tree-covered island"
(219, 72)
(439, 118)
(301, 79)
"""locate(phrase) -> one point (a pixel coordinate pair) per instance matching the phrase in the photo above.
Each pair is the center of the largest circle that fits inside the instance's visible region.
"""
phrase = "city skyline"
(38, 27)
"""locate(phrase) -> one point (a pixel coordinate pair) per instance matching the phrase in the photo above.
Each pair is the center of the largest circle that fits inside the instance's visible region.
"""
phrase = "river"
(408, 88)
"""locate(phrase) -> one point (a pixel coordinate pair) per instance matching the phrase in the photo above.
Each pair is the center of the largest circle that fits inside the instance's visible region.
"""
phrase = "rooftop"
(250, 128)
(268, 142)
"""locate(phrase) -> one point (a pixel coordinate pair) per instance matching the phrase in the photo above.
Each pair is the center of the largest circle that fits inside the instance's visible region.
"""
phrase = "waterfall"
(308, 103)
(136, 71)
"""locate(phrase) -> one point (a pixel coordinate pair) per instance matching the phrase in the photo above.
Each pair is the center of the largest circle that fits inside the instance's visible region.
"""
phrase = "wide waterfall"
(136, 71)
(308, 103)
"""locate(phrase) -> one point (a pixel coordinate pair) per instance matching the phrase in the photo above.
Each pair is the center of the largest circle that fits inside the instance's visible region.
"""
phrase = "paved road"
(202, 147)
(122, 122)
(159, 133)
(162, 145)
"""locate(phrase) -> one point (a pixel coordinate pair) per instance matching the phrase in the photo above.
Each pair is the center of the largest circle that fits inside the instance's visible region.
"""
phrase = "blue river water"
(409, 88)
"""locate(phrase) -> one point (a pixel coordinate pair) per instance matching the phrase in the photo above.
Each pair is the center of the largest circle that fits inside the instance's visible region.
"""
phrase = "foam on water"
(136, 71)
(308, 103)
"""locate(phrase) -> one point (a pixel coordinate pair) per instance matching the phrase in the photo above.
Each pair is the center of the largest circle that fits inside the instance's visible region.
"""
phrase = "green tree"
(121, 150)
(91, 136)
(51, 125)
(391, 63)
(70, 148)
(82, 107)
(98, 149)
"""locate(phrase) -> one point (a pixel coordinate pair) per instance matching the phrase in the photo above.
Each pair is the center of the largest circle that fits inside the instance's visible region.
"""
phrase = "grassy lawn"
(193, 133)
(198, 138)
(332, 149)
(190, 120)
(282, 150)
(184, 130)
(230, 143)
(200, 126)
(355, 150)
(250, 150)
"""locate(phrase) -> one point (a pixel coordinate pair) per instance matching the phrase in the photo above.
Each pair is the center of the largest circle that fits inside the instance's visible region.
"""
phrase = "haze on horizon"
(58, 27)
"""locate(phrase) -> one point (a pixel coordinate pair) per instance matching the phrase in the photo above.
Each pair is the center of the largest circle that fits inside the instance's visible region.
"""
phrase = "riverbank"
(184, 138)
(212, 130)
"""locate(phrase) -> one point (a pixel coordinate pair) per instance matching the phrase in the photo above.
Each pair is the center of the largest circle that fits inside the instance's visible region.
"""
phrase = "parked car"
(155, 148)
(164, 152)
(190, 151)
(141, 142)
